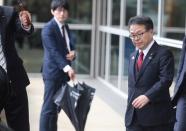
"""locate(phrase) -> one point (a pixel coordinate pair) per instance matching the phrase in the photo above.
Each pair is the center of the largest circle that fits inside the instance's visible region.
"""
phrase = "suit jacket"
(180, 86)
(55, 52)
(153, 80)
(10, 25)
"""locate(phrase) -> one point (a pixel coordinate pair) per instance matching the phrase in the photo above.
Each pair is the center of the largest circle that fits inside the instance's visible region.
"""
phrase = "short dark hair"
(141, 20)
(59, 3)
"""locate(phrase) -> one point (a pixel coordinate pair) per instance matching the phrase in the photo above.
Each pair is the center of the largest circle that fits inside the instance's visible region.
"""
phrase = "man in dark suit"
(151, 71)
(16, 108)
(58, 55)
(179, 97)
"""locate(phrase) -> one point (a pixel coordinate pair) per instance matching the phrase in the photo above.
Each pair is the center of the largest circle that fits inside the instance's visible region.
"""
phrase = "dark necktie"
(64, 37)
(139, 61)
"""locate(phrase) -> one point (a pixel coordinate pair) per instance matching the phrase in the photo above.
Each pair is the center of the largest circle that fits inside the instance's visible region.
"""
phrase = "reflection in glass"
(131, 9)
(80, 11)
(174, 19)
(128, 49)
(176, 52)
(82, 40)
(116, 12)
(30, 49)
(114, 60)
(150, 8)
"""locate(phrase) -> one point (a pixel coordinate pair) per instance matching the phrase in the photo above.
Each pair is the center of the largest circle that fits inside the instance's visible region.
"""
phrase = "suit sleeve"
(166, 73)
(50, 44)
(16, 23)
(181, 62)
(13, 22)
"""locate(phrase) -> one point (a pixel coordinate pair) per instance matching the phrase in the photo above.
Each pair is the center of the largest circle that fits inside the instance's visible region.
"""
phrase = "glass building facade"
(100, 32)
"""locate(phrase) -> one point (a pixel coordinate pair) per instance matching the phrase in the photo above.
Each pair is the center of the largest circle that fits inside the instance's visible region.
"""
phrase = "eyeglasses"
(137, 36)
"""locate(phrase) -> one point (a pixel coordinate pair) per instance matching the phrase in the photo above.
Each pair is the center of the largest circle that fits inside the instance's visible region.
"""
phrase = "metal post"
(160, 17)
(93, 39)
(139, 7)
(108, 41)
(121, 44)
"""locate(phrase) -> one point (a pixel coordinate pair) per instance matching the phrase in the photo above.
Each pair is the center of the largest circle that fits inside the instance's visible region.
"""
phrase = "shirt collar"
(58, 23)
(146, 50)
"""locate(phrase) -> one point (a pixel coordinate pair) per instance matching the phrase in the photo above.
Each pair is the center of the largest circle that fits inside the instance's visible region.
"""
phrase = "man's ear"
(52, 12)
(152, 31)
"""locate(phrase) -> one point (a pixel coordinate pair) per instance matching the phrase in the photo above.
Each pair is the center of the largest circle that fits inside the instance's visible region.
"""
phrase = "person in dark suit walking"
(150, 74)
(16, 107)
(179, 97)
(58, 55)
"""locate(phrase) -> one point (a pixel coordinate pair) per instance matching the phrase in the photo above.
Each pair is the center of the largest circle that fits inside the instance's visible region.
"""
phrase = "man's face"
(140, 36)
(61, 14)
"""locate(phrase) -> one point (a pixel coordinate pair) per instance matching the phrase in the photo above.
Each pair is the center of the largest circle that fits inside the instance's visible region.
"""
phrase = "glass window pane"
(114, 60)
(176, 52)
(150, 8)
(82, 40)
(80, 11)
(128, 49)
(116, 12)
(174, 19)
(131, 9)
(30, 48)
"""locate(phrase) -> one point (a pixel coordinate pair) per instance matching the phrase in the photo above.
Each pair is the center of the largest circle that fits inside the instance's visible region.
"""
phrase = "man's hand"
(140, 101)
(25, 19)
(70, 56)
(71, 74)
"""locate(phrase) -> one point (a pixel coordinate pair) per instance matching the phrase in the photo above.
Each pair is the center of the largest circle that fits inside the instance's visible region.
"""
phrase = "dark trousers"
(49, 115)
(180, 124)
(135, 126)
(16, 111)
(166, 127)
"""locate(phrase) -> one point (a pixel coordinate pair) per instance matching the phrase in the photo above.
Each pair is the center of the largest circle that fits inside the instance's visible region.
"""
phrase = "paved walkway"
(100, 118)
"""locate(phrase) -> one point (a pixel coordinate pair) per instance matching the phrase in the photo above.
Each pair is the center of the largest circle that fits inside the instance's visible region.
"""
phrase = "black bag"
(75, 101)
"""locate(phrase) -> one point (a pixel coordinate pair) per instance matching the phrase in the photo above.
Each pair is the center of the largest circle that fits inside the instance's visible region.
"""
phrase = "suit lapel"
(133, 64)
(57, 30)
(149, 57)
(3, 21)
(59, 35)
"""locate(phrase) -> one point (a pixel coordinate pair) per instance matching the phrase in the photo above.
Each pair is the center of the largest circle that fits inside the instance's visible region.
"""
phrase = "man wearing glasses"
(151, 71)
